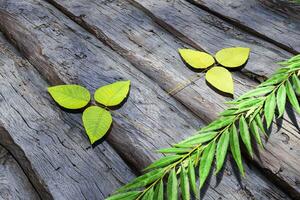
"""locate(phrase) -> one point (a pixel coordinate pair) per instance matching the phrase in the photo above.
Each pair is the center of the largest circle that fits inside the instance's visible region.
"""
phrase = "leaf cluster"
(176, 173)
(96, 120)
(218, 76)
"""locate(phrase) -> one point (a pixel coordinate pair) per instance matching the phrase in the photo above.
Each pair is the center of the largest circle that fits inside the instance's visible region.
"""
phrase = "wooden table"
(44, 152)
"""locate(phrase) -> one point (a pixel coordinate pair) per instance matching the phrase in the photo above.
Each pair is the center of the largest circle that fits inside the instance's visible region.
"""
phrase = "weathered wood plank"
(268, 19)
(50, 145)
(154, 51)
(210, 33)
(14, 185)
(58, 44)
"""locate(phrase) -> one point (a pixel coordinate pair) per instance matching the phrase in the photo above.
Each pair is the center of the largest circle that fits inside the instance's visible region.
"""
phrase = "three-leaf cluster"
(219, 77)
(96, 120)
(236, 126)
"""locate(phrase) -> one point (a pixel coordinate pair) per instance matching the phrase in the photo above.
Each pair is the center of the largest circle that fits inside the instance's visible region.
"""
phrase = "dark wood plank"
(14, 185)
(267, 19)
(143, 130)
(49, 144)
(152, 50)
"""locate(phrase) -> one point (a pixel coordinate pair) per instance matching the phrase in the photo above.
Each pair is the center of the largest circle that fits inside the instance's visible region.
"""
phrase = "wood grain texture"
(14, 185)
(267, 18)
(48, 143)
(210, 33)
(154, 51)
(75, 56)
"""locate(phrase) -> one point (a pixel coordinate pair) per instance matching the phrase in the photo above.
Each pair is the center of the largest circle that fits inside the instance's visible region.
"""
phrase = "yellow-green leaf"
(233, 57)
(196, 59)
(70, 96)
(96, 122)
(112, 94)
(221, 79)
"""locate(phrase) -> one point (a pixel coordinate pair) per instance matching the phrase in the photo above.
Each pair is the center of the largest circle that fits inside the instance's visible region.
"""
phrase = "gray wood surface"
(14, 184)
(269, 19)
(143, 49)
(154, 51)
(49, 144)
(210, 33)
(68, 53)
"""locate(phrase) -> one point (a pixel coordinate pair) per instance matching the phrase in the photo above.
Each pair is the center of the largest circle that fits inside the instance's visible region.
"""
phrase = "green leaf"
(184, 183)
(112, 94)
(172, 186)
(253, 115)
(184, 145)
(292, 96)
(233, 57)
(220, 78)
(221, 151)
(192, 178)
(218, 124)
(257, 92)
(143, 180)
(248, 103)
(281, 100)
(252, 110)
(96, 122)
(199, 138)
(296, 83)
(206, 162)
(70, 96)
(294, 59)
(196, 59)
(245, 135)
(198, 154)
(125, 196)
(149, 194)
(164, 161)
(228, 112)
(159, 191)
(177, 150)
(254, 131)
(293, 67)
(235, 149)
(259, 123)
(269, 109)
(275, 79)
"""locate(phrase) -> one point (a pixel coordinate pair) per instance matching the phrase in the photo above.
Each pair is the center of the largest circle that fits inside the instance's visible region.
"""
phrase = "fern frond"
(210, 143)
